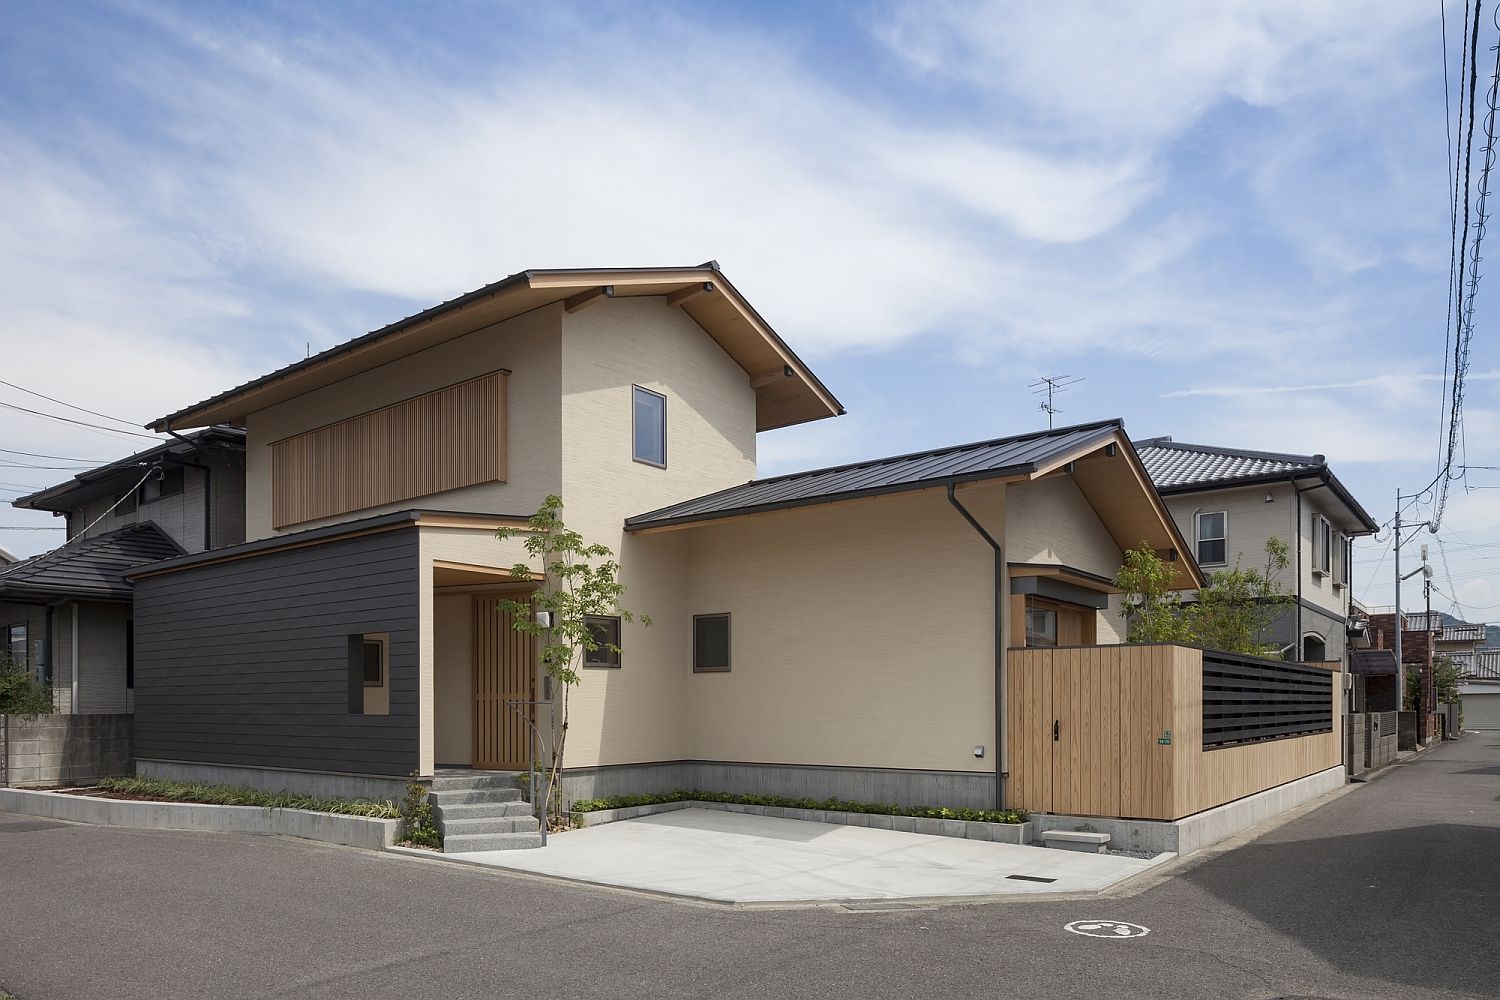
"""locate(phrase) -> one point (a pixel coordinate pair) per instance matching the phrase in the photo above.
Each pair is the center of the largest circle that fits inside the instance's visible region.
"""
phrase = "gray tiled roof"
(1176, 464)
(92, 567)
(1447, 631)
(960, 463)
(1482, 664)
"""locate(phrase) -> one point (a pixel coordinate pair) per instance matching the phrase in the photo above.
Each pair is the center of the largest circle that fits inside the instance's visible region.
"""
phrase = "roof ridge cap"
(1168, 444)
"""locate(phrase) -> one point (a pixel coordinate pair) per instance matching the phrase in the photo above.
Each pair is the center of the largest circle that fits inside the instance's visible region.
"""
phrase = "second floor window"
(649, 426)
(1322, 545)
(1212, 544)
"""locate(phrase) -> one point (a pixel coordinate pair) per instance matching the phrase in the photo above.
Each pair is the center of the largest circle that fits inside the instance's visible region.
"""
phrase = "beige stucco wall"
(527, 346)
(638, 713)
(1251, 521)
(1051, 521)
(453, 696)
(861, 635)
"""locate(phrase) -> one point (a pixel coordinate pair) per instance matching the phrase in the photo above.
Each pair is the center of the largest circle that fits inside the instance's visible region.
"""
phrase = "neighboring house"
(1229, 501)
(1479, 689)
(7, 557)
(834, 632)
(1458, 641)
(72, 605)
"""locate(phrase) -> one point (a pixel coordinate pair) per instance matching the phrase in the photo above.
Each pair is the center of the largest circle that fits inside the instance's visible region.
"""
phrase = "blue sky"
(1231, 219)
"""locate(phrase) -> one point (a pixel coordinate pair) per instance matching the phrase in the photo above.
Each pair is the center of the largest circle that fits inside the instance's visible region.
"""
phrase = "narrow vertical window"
(649, 426)
(710, 643)
(605, 631)
(369, 674)
(1212, 540)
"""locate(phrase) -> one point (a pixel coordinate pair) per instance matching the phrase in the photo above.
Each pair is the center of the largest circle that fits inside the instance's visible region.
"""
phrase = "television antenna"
(1051, 386)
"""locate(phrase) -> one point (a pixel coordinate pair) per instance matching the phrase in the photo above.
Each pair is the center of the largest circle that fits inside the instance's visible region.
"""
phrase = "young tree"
(1445, 679)
(1151, 610)
(579, 580)
(21, 691)
(1237, 607)
(1233, 611)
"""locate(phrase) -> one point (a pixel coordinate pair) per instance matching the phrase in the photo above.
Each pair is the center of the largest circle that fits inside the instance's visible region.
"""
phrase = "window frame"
(359, 687)
(634, 428)
(612, 656)
(728, 644)
(1322, 546)
(1198, 538)
(375, 639)
(24, 627)
(1044, 643)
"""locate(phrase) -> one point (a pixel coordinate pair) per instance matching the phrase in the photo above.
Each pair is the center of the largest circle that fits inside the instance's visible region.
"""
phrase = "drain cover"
(1030, 878)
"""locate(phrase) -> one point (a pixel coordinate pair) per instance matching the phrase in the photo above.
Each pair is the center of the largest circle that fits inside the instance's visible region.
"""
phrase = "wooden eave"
(786, 390)
(1127, 503)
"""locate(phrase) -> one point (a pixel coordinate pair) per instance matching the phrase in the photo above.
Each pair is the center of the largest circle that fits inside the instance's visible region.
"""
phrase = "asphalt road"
(1388, 890)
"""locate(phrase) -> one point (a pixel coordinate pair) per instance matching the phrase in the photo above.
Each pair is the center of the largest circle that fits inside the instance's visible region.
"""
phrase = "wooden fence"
(1118, 731)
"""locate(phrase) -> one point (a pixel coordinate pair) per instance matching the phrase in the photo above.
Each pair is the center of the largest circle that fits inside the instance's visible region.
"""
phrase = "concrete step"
(464, 796)
(489, 824)
(465, 843)
(452, 781)
(479, 810)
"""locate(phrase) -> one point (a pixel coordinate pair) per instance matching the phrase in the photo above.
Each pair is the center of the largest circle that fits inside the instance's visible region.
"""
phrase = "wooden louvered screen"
(427, 444)
(504, 673)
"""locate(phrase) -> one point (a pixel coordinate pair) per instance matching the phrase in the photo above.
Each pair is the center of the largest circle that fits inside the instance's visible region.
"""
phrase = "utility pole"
(1423, 569)
(1051, 386)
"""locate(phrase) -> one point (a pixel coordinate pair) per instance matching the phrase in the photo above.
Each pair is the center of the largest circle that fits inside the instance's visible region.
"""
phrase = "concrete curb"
(998, 833)
(329, 828)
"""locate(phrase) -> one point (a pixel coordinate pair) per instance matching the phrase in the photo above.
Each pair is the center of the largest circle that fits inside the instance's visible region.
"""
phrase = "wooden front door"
(504, 673)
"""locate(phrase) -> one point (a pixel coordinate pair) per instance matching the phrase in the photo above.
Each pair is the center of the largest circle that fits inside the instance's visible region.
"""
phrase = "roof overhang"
(105, 480)
(1358, 523)
(1112, 479)
(786, 390)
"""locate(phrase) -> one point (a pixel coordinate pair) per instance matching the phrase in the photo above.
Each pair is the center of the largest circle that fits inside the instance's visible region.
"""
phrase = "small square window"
(605, 630)
(1041, 627)
(649, 426)
(710, 643)
(1212, 541)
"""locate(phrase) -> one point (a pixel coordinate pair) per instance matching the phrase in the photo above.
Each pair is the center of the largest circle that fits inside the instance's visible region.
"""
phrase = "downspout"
(73, 707)
(1297, 534)
(999, 644)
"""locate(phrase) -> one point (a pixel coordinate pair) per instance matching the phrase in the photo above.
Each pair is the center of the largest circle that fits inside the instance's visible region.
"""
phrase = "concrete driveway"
(738, 858)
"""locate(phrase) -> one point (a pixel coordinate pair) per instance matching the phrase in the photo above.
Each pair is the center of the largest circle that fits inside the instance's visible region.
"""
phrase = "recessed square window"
(649, 426)
(711, 643)
(605, 630)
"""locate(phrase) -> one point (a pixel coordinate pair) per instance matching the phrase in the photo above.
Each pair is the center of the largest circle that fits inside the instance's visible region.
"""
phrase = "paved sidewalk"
(739, 858)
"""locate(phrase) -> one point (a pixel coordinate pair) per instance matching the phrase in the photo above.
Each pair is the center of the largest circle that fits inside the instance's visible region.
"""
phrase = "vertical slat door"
(504, 673)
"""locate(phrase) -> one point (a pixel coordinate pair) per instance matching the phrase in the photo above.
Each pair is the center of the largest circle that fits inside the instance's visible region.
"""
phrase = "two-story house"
(1228, 502)
(67, 613)
(841, 631)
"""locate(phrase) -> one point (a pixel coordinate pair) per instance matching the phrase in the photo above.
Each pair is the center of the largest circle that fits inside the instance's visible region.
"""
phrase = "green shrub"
(21, 691)
(229, 795)
(417, 824)
(782, 802)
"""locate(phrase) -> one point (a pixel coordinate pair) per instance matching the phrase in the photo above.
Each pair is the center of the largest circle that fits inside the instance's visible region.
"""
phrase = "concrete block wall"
(65, 749)
(1356, 752)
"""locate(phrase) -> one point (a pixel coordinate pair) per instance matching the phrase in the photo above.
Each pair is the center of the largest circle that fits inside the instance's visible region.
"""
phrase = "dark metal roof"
(64, 495)
(89, 567)
(1372, 662)
(458, 301)
(1179, 467)
(919, 470)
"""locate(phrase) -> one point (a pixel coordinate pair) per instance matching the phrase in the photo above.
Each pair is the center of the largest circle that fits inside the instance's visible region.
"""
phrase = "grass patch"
(781, 802)
(228, 795)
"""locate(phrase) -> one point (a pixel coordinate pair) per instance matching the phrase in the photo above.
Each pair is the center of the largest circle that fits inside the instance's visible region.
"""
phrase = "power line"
(79, 423)
(55, 458)
(33, 527)
(71, 406)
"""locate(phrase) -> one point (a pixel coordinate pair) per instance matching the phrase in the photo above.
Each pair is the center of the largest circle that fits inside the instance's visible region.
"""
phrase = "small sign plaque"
(1165, 739)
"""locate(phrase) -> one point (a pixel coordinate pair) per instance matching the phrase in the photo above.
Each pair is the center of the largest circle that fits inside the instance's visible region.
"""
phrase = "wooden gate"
(504, 673)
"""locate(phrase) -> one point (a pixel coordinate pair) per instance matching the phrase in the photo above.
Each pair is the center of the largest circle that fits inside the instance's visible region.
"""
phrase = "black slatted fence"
(1247, 700)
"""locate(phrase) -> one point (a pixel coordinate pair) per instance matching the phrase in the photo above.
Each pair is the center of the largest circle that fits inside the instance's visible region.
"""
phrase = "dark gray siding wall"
(246, 662)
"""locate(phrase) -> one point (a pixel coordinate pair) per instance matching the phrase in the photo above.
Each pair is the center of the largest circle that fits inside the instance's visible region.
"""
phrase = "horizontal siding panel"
(245, 661)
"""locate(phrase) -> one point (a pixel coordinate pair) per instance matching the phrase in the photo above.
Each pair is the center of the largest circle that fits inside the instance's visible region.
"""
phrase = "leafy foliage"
(21, 691)
(782, 802)
(417, 823)
(1233, 612)
(1445, 678)
(229, 795)
(579, 580)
